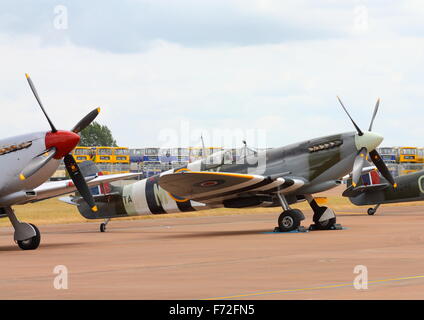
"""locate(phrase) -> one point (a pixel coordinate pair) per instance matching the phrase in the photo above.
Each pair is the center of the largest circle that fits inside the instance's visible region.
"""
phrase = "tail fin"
(369, 177)
(369, 182)
(108, 198)
(88, 169)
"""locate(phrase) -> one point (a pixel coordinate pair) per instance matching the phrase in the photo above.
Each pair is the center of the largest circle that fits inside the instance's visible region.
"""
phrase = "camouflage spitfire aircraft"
(374, 190)
(275, 177)
(27, 161)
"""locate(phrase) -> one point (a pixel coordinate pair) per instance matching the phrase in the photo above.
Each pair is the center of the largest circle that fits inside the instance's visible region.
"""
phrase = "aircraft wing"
(214, 187)
(57, 188)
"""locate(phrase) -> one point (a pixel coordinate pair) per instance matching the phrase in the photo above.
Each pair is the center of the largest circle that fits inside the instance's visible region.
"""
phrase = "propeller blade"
(84, 122)
(37, 163)
(31, 85)
(358, 165)
(381, 166)
(79, 181)
(374, 114)
(356, 126)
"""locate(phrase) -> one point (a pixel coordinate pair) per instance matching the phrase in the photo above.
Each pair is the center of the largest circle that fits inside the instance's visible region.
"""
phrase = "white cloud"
(130, 26)
(287, 88)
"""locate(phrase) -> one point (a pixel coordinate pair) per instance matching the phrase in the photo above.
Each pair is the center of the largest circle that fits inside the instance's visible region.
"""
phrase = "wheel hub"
(287, 221)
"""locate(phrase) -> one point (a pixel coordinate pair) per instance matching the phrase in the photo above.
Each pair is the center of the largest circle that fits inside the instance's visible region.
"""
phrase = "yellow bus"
(82, 154)
(103, 155)
(407, 155)
(121, 155)
(103, 158)
(121, 160)
(420, 155)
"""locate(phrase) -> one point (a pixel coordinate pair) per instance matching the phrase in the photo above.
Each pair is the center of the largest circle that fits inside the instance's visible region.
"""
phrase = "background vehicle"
(407, 155)
(103, 158)
(166, 158)
(136, 160)
(420, 155)
(82, 154)
(151, 162)
(136, 155)
(195, 153)
(180, 157)
(388, 154)
(151, 168)
(407, 168)
(121, 160)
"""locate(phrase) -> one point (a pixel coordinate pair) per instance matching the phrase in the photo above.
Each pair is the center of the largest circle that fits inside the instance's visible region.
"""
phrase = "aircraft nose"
(63, 141)
(369, 140)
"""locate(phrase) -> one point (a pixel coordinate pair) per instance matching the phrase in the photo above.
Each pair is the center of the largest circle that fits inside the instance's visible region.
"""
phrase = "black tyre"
(290, 220)
(32, 243)
(371, 211)
(102, 227)
(326, 224)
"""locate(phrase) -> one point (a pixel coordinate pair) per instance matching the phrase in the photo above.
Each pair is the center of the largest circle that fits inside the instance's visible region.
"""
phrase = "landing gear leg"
(103, 225)
(371, 211)
(26, 235)
(324, 218)
(289, 219)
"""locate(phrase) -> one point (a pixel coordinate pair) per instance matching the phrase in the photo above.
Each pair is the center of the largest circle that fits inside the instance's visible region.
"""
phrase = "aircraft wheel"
(31, 243)
(103, 227)
(326, 224)
(371, 211)
(289, 220)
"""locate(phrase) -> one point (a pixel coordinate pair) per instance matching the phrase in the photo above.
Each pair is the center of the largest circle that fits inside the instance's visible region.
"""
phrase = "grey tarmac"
(227, 257)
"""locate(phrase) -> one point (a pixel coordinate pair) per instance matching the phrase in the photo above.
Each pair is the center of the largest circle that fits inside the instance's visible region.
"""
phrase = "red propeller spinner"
(63, 141)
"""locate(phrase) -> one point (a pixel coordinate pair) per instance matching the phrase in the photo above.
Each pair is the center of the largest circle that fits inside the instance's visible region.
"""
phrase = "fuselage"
(20, 152)
(410, 187)
(15, 154)
(318, 162)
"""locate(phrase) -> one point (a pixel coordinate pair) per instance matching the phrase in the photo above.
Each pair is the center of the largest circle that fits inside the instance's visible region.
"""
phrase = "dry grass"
(53, 211)
(46, 212)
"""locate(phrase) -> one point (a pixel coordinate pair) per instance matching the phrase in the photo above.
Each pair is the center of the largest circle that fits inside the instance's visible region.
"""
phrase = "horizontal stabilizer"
(109, 205)
(68, 200)
(352, 192)
(76, 200)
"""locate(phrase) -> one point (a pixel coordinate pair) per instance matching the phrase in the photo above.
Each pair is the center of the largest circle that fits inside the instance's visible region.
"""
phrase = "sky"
(167, 72)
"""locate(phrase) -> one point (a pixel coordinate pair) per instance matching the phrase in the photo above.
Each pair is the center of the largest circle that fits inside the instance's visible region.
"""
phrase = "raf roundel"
(209, 183)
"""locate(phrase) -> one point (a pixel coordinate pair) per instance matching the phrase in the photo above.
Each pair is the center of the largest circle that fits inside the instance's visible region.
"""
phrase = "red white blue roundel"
(209, 183)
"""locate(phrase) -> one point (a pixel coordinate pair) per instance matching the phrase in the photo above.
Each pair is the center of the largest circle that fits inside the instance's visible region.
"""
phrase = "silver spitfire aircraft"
(275, 177)
(27, 161)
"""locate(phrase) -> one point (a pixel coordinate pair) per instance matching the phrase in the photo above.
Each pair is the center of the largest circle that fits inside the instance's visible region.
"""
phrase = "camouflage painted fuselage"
(409, 188)
(319, 163)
